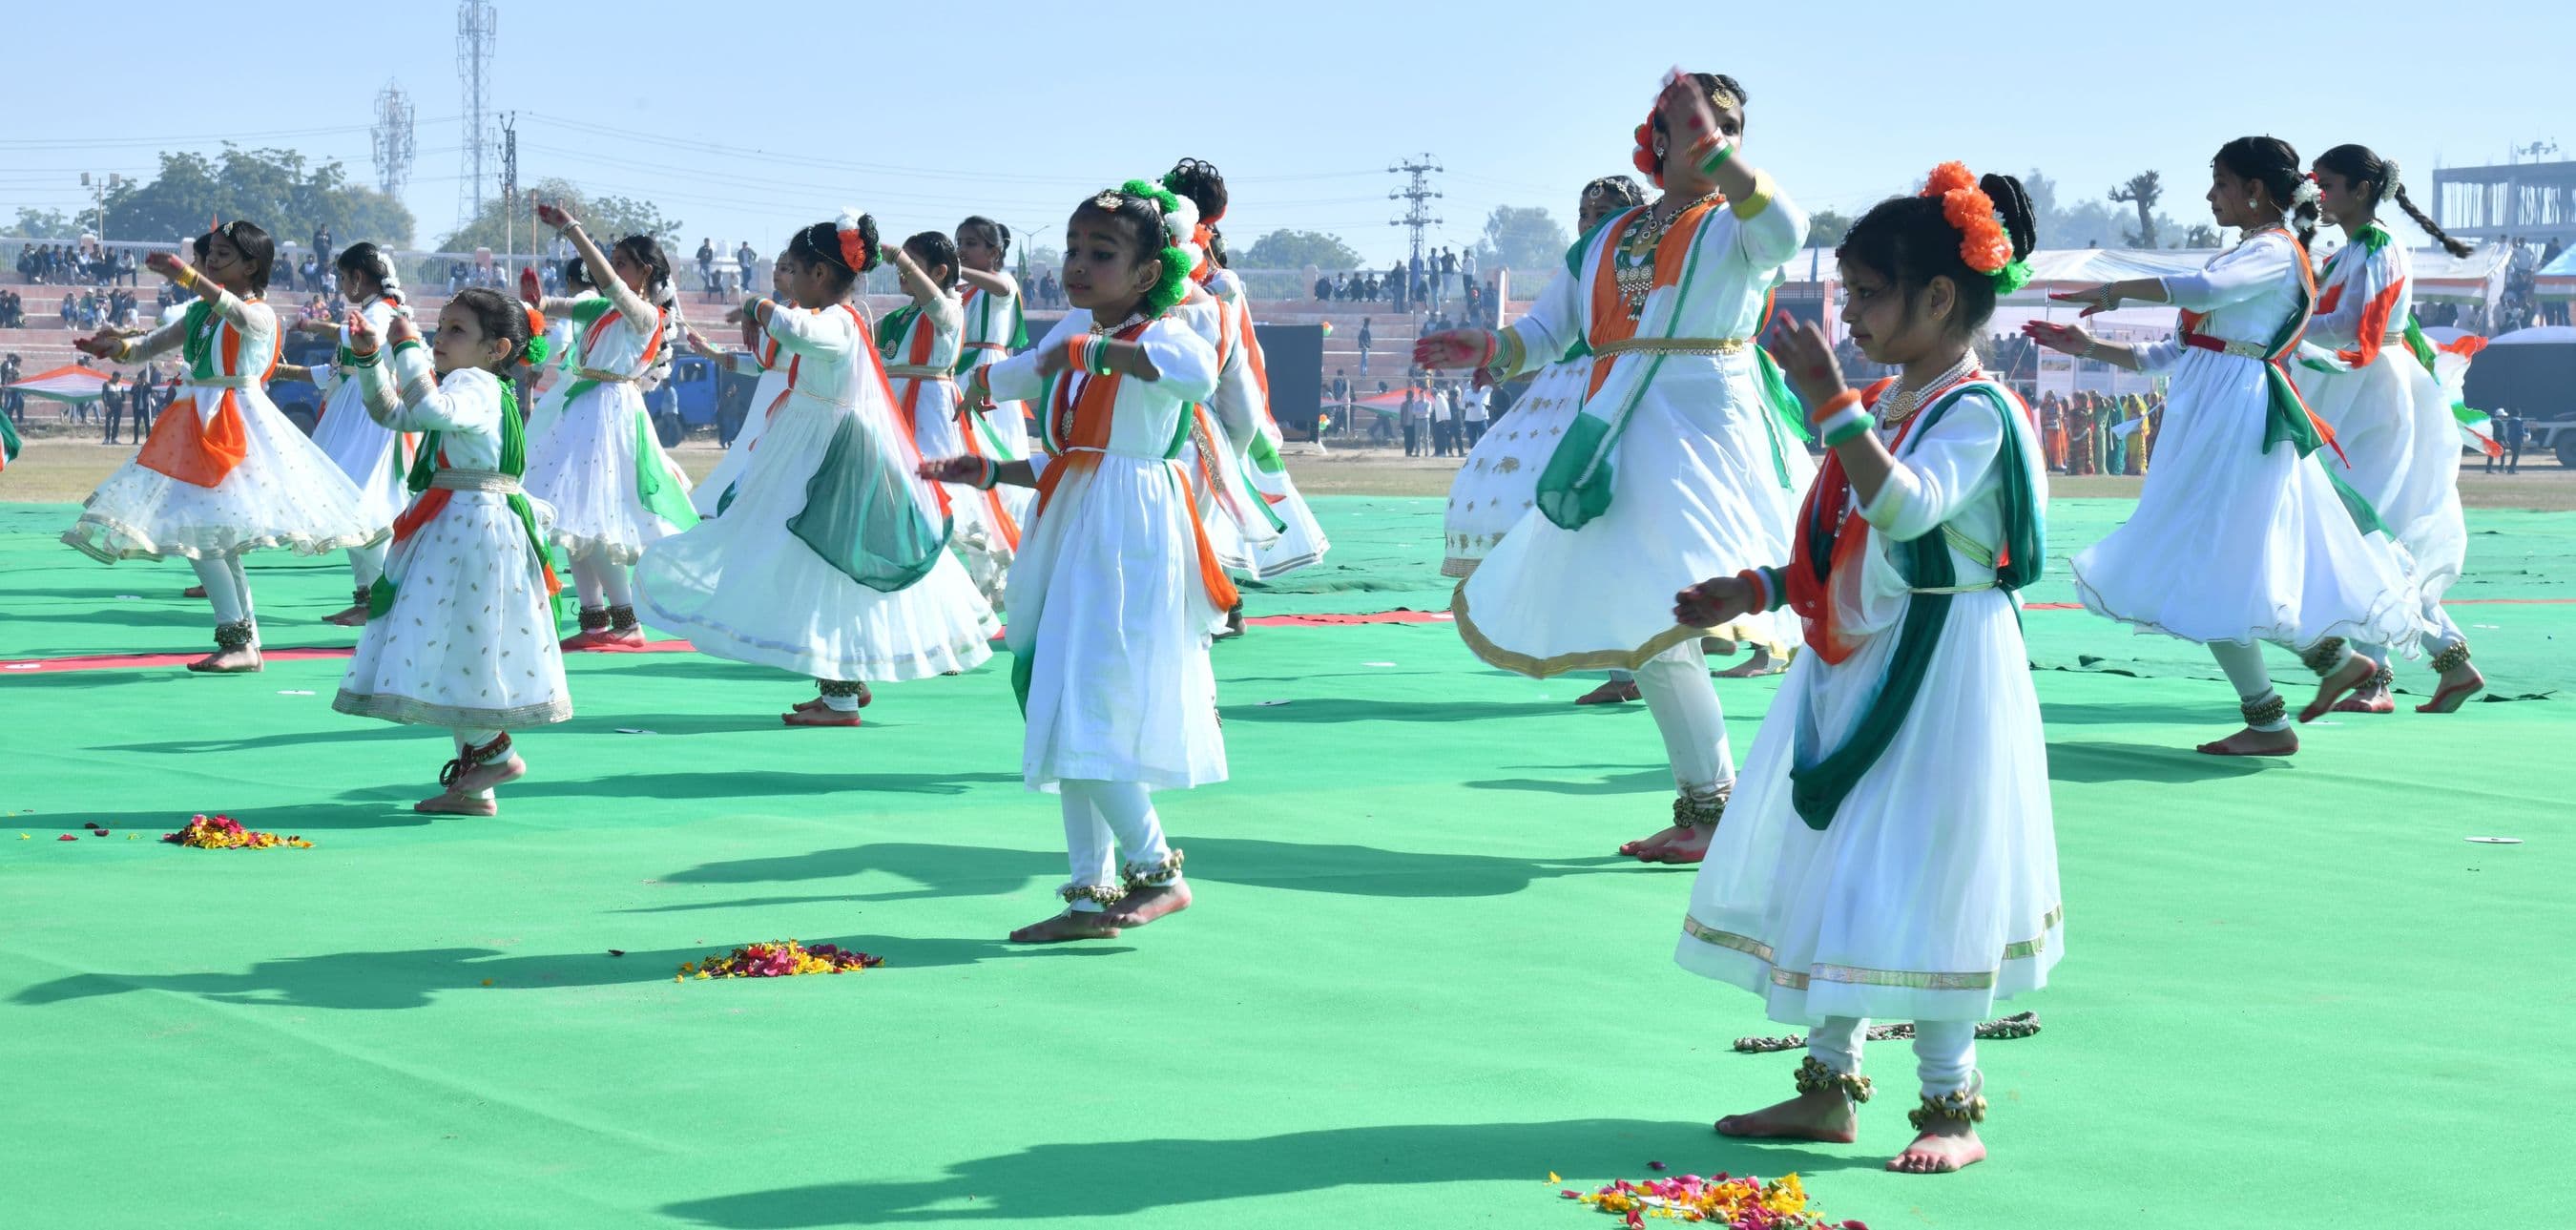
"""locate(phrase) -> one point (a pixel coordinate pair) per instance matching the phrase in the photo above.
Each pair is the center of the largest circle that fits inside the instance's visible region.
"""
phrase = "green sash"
(860, 515)
(1818, 784)
(513, 462)
(1577, 484)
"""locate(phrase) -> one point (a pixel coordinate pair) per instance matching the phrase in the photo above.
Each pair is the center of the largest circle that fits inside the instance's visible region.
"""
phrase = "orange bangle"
(1840, 402)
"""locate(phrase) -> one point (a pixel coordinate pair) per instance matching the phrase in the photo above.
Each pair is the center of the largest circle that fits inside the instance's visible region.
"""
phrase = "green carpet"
(1415, 982)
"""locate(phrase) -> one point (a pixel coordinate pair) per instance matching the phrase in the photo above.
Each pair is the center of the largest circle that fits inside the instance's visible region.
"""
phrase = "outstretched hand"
(1807, 359)
(103, 345)
(2064, 339)
(362, 336)
(2096, 299)
(1451, 348)
(402, 330)
(1713, 603)
(1685, 108)
(167, 264)
(951, 469)
(553, 214)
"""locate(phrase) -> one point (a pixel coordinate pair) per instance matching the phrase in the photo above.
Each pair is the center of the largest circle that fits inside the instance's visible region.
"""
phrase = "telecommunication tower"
(477, 23)
(1416, 194)
(393, 140)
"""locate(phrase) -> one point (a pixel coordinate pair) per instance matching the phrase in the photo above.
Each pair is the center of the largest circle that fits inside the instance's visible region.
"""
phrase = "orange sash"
(1610, 319)
(202, 453)
(1080, 434)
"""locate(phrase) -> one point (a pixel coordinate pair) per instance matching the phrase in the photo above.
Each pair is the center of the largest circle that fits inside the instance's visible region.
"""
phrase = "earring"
(1659, 149)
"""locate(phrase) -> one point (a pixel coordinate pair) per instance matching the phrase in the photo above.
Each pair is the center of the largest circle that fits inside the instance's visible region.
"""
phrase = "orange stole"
(1610, 319)
(202, 453)
(1081, 435)
(432, 501)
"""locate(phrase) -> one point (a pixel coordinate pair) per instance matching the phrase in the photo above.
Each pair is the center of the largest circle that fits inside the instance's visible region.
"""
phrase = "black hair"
(576, 275)
(255, 247)
(1202, 183)
(1619, 189)
(367, 258)
(1136, 216)
(996, 234)
(2358, 165)
(2271, 162)
(647, 251)
(1911, 241)
(934, 248)
(820, 244)
(497, 315)
(1710, 85)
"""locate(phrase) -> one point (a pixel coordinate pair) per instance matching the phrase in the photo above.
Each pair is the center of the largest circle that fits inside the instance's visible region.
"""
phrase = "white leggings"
(227, 588)
(1677, 691)
(1102, 819)
(601, 583)
(1945, 1052)
(2253, 679)
(367, 563)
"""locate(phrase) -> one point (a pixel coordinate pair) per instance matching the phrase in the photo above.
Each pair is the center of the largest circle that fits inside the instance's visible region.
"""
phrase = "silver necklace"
(1895, 408)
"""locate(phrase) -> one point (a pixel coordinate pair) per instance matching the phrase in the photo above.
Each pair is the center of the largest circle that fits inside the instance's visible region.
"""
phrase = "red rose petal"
(67, 837)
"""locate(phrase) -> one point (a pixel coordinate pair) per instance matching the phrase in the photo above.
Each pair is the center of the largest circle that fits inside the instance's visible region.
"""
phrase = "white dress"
(374, 457)
(1498, 481)
(768, 395)
(1703, 479)
(600, 466)
(920, 346)
(995, 326)
(469, 640)
(748, 586)
(2390, 415)
(1301, 538)
(1110, 607)
(2233, 539)
(1932, 892)
(283, 492)
(1216, 458)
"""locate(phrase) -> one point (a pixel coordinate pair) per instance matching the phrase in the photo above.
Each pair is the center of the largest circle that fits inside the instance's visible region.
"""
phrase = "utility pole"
(477, 31)
(1417, 193)
(99, 186)
(510, 193)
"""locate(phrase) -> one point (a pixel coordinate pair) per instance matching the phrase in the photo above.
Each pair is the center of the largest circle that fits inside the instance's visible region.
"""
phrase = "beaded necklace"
(1634, 263)
(1895, 408)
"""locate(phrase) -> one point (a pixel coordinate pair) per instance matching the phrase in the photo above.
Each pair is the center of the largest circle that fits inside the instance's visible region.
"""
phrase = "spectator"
(1395, 285)
(1367, 341)
(71, 311)
(746, 267)
(322, 245)
(1323, 289)
(1379, 432)
(11, 399)
(1473, 408)
(1448, 270)
(2515, 432)
(1467, 268)
(111, 404)
(1444, 419)
(1417, 419)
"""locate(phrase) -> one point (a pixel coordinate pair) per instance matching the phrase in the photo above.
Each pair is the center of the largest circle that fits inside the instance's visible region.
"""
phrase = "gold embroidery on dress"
(1853, 975)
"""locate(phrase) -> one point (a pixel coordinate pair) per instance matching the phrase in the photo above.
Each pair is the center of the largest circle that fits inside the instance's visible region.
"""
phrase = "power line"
(1417, 194)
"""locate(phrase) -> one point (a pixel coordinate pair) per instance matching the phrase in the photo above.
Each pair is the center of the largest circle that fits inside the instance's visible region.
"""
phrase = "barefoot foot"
(354, 617)
(1672, 844)
(451, 803)
(1614, 692)
(2370, 697)
(1823, 1115)
(2457, 687)
(1945, 1146)
(2252, 742)
(2331, 688)
(1755, 667)
(227, 662)
(1144, 905)
(1070, 925)
(820, 715)
(483, 777)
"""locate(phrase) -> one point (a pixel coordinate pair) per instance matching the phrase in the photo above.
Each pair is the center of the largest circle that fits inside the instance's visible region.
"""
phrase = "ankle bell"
(1964, 1105)
(1815, 1077)
(2452, 657)
(1152, 875)
(236, 634)
(2324, 657)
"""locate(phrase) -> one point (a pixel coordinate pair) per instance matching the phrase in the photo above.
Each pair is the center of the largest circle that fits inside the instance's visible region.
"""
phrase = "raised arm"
(992, 283)
(403, 393)
(637, 315)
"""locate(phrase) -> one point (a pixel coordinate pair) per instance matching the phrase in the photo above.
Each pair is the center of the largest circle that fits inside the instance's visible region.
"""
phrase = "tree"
(271, 187)
(1287, 249)
(606, 218)
(44, 224)
(1522, 237)
(2143, 190)
(1826, 228)
(2201, 235)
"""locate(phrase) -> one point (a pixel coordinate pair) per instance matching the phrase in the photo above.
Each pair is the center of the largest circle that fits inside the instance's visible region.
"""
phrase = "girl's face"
(937, 270)
(2239, 202)
(630, 270)
(2341, 198)
(1884, 324)
(460, 343)
(976, 250)
(1597, 211)
(225, 263)
(778, 283)
(1104, 271)
(809, 283)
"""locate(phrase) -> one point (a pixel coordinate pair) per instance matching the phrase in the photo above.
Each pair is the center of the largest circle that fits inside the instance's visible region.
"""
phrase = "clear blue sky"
(924, 113)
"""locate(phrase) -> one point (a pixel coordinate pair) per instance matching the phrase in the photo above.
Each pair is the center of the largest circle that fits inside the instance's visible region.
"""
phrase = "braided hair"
(1913, 239)
(2358, 165)
(368, 259)
(2273, 163)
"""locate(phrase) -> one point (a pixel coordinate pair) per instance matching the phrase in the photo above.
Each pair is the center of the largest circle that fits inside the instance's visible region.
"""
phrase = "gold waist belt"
(1674, 345)
(597, 376)
(906, 371)
(474, 480)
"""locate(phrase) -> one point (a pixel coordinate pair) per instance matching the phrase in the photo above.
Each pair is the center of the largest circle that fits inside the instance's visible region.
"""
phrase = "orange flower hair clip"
(1983, 244)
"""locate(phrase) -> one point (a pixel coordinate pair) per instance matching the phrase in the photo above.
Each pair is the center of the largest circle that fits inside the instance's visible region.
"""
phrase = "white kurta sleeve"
(946, 313)
(158, 342)
(1942, 472)
(403, 393)
(2161, 356)
(2233, 277)
(632, 311)
(1769, 228)
(2359, 324)
(1237, 400)
(1016, 378)
(1185, 362)
(1556, 320)
(797, 331)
